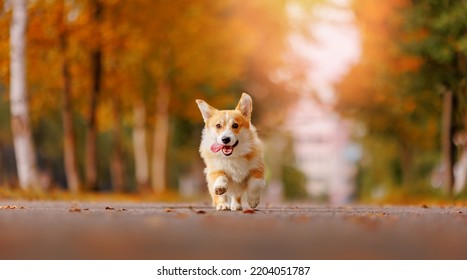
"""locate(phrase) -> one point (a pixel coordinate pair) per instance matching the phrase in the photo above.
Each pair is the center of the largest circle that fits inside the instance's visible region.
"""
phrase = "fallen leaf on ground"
(118, 209)
(74, 210)
(169, 210)
(196, 211)
(10, 207)
(249, 211)
(425, 206)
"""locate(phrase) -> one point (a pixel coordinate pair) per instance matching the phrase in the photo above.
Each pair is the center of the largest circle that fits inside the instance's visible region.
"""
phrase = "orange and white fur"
(232, 152)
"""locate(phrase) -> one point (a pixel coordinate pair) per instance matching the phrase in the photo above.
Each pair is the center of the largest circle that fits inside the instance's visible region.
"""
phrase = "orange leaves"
(385, 92)
(377, 80)
(195, 42)
(4, 48)
(407, 64)
(215, 49)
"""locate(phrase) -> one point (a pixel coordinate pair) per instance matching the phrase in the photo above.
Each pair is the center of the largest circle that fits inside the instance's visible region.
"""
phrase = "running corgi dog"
(232, 152)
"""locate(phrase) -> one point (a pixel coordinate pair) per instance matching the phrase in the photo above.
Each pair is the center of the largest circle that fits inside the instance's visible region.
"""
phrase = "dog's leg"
(220, 201)
(217, 183)
(235, 204)
(255, 185)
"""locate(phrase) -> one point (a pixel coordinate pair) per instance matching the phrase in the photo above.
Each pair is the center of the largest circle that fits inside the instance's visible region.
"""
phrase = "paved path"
(64, 230)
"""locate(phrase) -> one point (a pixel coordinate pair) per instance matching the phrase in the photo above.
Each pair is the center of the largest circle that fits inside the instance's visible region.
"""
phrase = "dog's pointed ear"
(245, 106)
(206, 109)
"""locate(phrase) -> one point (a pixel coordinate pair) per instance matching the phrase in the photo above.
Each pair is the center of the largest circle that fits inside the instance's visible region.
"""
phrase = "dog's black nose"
(226, 140)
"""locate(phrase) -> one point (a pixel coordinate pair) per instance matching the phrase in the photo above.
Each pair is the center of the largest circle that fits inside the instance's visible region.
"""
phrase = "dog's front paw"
(222, 206)
(235, 206)
(220, 190)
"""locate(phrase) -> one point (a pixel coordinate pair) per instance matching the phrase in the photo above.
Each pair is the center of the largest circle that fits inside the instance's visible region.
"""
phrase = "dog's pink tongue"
(216, 147)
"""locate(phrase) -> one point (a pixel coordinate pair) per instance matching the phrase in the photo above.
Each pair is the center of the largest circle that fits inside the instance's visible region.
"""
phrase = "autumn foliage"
(407, 95)
(111, 85)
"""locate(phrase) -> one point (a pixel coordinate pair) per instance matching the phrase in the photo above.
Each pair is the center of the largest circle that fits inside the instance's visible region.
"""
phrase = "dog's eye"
(235, 126)
(218, 125)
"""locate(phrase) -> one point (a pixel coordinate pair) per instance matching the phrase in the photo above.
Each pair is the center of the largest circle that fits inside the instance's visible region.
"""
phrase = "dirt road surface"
(83, 230)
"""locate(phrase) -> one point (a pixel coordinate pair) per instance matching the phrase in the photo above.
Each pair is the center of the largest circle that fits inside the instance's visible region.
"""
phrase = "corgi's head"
(227, 132)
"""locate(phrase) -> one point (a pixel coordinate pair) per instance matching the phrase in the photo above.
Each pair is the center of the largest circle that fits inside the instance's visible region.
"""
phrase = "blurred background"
(355, 100)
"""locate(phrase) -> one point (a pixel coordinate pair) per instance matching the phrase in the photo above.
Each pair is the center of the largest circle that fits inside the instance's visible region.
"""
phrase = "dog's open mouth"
(226, 150)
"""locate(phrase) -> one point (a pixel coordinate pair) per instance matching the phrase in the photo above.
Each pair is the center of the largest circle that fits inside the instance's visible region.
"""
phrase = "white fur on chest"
(237, 168)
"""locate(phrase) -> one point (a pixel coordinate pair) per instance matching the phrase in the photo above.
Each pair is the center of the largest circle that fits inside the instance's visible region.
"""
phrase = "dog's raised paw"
(220, 190)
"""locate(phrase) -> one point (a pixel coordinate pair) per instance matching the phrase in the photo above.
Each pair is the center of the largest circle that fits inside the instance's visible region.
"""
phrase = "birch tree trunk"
(448, 147)
(460, 168)
(69, 147)
(21, 129)
(161, 138)
(139, 145)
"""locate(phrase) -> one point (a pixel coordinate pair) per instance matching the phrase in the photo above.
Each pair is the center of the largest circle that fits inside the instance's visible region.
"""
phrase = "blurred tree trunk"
(461, 142)
(161, 138)
(117, 165)
(448, 130)
(21, 129)
(139, 145)
(91, 128)
(461, 174)
(406, 160)
(69, 147)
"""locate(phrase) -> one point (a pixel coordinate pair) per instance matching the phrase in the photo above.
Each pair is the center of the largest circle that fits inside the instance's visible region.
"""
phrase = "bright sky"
(335, 49)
